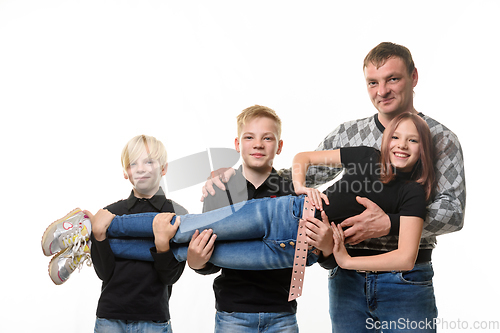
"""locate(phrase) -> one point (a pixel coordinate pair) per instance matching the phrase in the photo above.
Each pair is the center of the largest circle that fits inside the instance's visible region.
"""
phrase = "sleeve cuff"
(394, 224)
(208, 269)
(327, 262)
(162, 258)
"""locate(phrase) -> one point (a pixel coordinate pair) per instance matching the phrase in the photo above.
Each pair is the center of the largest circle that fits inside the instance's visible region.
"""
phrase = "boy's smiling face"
(145, 175)
(259, 144)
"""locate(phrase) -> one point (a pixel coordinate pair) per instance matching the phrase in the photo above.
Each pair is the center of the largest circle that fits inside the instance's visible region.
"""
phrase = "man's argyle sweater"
(445, 212)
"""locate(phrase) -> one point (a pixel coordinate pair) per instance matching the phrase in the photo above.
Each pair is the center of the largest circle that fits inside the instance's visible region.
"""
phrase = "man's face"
(145, 175)
(259, 144)
(390, 87)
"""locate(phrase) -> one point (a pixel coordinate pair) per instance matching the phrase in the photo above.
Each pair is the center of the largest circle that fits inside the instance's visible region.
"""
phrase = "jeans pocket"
(333, 272)
(295, 207)
(421, 274)
(161, 326)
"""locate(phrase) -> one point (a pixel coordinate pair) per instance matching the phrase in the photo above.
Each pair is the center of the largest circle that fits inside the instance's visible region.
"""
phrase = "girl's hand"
(339, 250)
(314, 195)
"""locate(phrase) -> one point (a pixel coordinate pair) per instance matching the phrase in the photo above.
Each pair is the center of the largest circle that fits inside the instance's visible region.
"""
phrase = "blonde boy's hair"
(257, 111)
(137, 145)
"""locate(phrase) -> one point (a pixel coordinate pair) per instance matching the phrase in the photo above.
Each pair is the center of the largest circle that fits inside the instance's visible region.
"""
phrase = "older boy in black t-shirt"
(248, 301)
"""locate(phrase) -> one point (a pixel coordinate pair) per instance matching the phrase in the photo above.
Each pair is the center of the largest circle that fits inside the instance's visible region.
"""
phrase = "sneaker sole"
(50, 229)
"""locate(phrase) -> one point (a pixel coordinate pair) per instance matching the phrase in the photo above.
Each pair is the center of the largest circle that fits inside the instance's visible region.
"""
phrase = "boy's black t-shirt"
(245, 290)
(133, 289)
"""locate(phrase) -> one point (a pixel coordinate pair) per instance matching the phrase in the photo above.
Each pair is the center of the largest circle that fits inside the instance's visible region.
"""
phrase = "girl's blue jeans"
(383, 302)
(251, 235)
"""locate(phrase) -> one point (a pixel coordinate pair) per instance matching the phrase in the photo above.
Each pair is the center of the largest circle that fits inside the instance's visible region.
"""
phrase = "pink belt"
(300, 258)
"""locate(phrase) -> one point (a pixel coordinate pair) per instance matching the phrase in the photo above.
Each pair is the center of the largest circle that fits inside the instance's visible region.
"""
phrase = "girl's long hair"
(423, 172)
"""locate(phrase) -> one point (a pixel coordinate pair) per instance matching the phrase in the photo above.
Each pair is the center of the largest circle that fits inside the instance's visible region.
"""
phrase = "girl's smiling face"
(404, 146)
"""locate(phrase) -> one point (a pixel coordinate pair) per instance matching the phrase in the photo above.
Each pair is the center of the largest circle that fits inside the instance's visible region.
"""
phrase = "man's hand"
(163, 230)
(100, 223)
(320, 234)
(217, 178)
(200, 248)
(372, 223)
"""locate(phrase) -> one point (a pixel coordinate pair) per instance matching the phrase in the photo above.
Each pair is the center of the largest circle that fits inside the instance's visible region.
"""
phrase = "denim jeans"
(265, 228)
(382, 302)
(269, 322)
(103, 325)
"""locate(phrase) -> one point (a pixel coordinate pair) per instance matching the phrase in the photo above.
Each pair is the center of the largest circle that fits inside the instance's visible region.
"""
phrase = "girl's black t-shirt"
(362, 178)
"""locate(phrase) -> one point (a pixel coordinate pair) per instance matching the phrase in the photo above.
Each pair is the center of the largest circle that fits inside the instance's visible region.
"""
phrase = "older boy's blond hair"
(257, 111)
(139, 144)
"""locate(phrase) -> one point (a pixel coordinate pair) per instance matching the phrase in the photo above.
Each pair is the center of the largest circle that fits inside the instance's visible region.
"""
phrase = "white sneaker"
(74, 228)
(65, 262)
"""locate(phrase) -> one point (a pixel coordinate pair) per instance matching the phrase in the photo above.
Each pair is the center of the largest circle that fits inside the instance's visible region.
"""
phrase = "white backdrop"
(78, 79)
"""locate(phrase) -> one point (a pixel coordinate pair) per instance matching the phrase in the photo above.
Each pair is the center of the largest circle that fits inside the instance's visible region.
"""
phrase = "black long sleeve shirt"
(132, 289)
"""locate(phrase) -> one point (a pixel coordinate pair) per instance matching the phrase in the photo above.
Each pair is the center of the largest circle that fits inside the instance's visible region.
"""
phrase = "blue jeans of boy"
(382, 302)
(269, 322)
(103, 325)
(252, 235)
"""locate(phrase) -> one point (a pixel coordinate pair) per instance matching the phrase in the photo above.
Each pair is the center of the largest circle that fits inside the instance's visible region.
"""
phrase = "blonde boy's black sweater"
(132, 289)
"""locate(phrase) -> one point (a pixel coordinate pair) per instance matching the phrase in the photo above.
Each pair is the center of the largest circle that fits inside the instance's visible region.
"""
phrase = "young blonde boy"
(135, 293)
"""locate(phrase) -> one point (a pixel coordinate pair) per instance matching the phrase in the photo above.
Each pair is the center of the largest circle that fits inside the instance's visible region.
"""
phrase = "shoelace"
(78, 255)
(73, 237)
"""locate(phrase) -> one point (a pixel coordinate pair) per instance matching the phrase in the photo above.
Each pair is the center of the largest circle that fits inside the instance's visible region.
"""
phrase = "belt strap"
(300, 258)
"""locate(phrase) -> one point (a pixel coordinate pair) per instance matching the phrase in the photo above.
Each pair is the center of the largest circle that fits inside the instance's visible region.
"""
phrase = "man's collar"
(157, 200)
(378, 123)
(381, 127)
